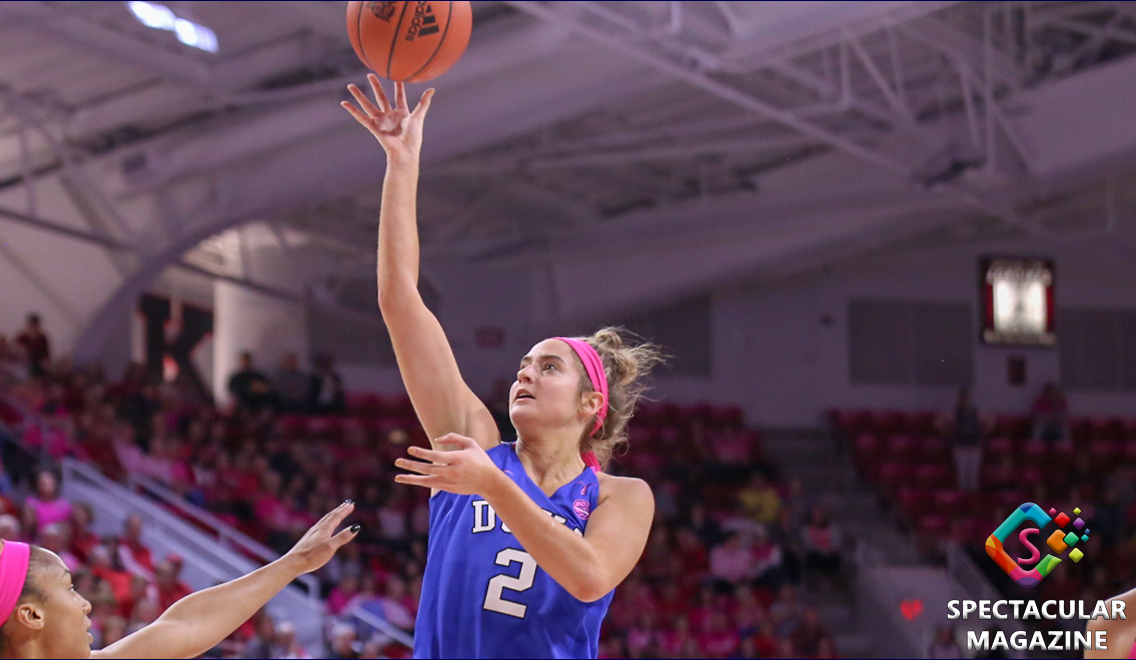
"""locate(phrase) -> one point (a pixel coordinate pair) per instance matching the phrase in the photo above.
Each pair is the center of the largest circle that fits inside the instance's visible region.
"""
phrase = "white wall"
(775, 355)
(780, 349)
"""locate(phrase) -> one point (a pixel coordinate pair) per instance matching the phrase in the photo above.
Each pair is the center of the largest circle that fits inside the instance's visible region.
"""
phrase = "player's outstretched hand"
(394, 125)
(316, 547)
(464, 470)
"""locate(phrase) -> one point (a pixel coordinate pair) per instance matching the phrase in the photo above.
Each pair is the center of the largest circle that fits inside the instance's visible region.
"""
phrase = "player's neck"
(549, 464)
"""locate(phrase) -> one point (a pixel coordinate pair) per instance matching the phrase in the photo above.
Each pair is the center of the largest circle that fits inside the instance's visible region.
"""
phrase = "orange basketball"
(409, 41)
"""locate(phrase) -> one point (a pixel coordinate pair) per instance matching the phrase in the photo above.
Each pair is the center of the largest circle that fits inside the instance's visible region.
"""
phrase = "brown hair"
(626, 360)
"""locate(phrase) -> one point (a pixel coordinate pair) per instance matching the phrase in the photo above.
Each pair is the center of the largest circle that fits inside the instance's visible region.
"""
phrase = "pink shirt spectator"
(47, 513)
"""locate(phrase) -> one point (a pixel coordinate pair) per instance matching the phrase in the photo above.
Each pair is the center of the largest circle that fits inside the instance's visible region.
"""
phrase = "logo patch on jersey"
(582, 508)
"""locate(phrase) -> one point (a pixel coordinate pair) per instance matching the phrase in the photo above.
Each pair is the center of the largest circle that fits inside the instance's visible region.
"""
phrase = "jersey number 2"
(523, 582)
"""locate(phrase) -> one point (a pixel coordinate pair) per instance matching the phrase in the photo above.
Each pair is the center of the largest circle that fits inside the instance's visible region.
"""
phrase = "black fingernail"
(355, 529)
(348, 501)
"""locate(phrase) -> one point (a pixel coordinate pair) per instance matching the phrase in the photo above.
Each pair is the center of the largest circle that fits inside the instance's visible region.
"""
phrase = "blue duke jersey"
(483, 596)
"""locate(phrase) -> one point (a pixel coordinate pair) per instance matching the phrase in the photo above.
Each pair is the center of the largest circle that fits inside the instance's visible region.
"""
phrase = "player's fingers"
(424, 103)
(456, 440)
(356, 113)
(400, 97)
(345, 536)
(380, 95)
(418, 466)
(428, 454)
(415, 480)
(364, 102)
(336, 515)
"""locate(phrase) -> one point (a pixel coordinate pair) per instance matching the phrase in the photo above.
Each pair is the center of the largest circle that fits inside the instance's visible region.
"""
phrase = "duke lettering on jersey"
(485, 519)
(484, 596)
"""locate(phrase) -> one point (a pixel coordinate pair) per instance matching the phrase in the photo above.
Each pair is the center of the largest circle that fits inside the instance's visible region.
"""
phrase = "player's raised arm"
(201, 620)
(443, 401)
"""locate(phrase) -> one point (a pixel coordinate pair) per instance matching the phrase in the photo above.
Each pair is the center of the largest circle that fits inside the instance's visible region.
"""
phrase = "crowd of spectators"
(730, 553)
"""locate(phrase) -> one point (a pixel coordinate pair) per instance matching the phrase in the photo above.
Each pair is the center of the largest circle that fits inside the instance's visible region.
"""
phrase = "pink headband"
(14, 558)
(594, 366)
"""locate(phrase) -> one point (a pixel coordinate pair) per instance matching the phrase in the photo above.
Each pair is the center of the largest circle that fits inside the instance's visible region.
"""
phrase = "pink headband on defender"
(14, 557)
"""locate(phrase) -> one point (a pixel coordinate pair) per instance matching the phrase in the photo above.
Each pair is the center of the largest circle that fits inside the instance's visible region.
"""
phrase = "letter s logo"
(1024, 578)
(1034, 553)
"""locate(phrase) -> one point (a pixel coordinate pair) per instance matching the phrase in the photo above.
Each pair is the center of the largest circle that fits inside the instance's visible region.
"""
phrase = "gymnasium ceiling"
(766, 137)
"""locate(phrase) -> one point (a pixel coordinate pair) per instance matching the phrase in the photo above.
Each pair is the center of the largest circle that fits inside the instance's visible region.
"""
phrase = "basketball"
(409, 41)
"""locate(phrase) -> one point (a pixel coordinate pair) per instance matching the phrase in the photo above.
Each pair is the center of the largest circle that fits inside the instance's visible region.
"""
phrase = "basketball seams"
(359, 36)
(441, 42)
(394, 38)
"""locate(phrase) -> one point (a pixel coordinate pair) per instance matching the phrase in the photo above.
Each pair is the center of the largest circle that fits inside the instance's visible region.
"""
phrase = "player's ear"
(591, 402)
(31, 615)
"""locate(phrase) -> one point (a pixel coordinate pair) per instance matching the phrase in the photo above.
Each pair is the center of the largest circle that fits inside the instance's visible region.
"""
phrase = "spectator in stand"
(398, 606)
(768, 572)
(251, 389)
(343, 594)
(167, 589)
(1050, 412)
(367, 602)
(132, 552)
(822, 546)
(262, 644)
(54, 537)
(344, 643)
(287, 648)
(113, 629)
(327, 396)
(644, 639)
(10, 528)
(292, 385)
(731, 563)
(760, 500)
(944, 645)
(826, 649)
(676, 638)
(47, 504)
(966, 431)
(719, 640)
(34, 345)
(82, 538)
(806, 638)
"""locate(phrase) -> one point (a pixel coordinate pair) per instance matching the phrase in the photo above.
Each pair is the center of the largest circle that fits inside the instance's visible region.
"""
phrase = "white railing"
(224, 533)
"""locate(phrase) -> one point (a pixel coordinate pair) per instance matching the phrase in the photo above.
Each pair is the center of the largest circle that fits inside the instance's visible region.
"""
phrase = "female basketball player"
(42, 616)
(527, 542)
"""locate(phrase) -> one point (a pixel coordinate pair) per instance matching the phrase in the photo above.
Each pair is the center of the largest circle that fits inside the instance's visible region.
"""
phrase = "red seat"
(934, 449)
(972, 530)
(1128, 451)
(922, 422)
(900, 447)
(868, 455)
(915, 502)
(1034, 452)
(933, 527)
(1103, 452)
(727, 416)
(951, 502)
(1000, 446)
(934, 475)
(1029, 476)
(894, 475)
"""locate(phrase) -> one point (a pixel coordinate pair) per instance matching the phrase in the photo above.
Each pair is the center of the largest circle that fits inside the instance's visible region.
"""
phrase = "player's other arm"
(441, 398)
(1120, 634)
(201, 620)
(588, 567)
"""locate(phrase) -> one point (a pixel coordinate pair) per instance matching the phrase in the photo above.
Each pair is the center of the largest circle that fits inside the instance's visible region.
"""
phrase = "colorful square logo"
(1059, 541)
